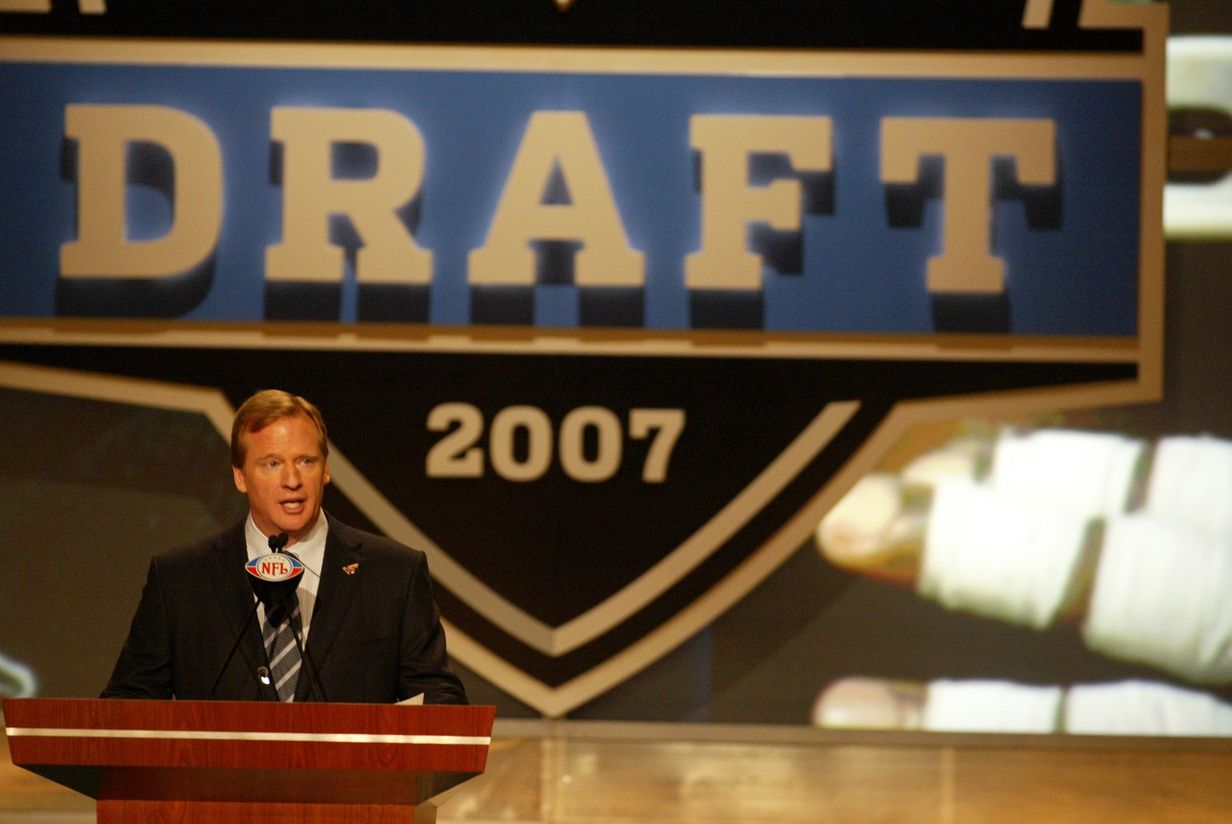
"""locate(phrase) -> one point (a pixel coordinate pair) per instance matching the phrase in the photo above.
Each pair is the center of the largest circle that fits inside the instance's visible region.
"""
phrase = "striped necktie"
(284, 655)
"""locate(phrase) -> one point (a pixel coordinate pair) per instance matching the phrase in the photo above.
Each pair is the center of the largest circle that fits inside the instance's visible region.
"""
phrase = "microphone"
(273, 578)
(252, 613)
(276, 576)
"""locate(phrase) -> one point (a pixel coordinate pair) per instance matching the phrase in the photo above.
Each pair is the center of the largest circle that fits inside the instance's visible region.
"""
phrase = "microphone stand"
(277, 544)
(314, 681)
(234, 646)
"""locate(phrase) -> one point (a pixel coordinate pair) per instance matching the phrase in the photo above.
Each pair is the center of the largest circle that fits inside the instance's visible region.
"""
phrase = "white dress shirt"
(311, 553)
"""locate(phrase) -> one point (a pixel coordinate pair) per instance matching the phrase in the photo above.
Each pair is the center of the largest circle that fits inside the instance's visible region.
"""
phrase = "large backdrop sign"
(604, 326)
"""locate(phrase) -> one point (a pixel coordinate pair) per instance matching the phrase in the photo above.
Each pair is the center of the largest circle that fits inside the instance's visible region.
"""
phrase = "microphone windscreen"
(274, 577)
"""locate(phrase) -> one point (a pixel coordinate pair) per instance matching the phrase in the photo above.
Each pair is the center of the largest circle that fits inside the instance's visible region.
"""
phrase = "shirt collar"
(310, 549)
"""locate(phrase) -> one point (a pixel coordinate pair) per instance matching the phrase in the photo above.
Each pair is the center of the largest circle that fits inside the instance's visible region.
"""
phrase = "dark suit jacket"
(376, 634)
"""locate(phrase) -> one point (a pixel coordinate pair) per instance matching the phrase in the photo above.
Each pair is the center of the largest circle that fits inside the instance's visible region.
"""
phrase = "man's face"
(284, 476)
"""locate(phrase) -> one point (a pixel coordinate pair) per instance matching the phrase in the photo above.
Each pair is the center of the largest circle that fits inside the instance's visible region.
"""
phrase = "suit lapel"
(334, 598)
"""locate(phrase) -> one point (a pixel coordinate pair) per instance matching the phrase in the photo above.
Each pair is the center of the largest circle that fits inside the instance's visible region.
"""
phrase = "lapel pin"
(349, 569)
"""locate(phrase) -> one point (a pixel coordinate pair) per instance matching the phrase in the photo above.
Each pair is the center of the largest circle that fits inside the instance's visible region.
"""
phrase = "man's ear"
(238, 475)
(326, 471)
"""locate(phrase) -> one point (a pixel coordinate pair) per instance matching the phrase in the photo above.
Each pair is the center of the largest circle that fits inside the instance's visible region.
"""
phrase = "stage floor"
(575, 772)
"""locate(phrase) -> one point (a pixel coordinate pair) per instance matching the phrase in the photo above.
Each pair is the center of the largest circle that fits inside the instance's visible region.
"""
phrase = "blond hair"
(264, 408)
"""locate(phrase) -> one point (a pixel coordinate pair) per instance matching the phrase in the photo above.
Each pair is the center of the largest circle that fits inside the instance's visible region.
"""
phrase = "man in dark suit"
(364, 610)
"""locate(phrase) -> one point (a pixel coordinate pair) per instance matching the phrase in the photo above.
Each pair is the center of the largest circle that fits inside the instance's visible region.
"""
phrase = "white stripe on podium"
(221, 735)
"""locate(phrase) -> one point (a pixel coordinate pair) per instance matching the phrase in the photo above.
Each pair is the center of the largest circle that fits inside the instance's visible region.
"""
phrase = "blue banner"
(1068, 249)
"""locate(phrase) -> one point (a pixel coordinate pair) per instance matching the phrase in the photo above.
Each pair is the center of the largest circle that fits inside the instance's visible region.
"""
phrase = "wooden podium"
(239, 761)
